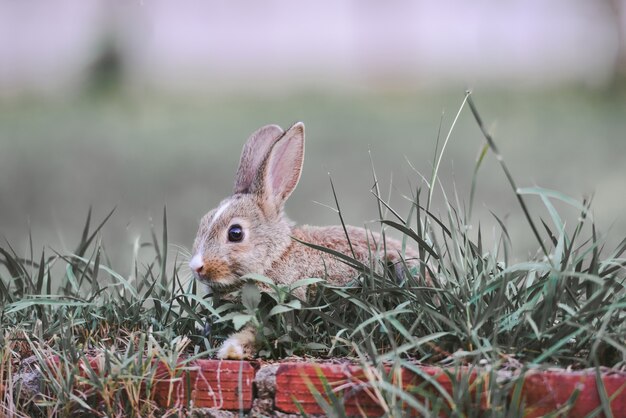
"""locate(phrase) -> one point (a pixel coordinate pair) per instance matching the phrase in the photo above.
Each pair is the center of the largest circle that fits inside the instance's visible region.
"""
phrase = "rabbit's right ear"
(253, 154)
(280, 172)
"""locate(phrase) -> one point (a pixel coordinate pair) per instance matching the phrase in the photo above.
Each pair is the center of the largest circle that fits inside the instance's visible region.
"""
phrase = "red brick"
(546, 391)
(293, 380)
(220, 384)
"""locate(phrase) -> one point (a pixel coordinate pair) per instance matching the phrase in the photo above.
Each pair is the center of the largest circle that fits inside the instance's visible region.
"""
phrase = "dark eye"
(235, 233)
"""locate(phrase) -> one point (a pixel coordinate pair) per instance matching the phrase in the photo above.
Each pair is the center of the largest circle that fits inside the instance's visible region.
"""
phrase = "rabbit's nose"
(196, 264)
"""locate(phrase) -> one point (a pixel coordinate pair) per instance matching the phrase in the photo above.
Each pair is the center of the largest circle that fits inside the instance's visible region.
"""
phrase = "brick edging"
(283, 387)
(544, 391)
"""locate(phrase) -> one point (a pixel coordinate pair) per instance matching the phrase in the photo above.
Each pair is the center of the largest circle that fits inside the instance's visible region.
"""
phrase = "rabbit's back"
(301, 261)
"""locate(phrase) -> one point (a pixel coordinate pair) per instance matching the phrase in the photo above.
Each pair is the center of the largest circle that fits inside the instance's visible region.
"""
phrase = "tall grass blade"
(506, 171)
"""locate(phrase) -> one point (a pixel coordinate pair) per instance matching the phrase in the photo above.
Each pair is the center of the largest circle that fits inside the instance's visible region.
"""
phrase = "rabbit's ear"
(281, 171)
(254, 152)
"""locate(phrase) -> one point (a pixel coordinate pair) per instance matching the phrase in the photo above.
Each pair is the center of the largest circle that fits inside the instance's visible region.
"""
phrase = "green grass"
(563, 306)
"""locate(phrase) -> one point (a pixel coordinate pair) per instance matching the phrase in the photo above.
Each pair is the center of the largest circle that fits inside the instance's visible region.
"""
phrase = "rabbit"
(249, 232)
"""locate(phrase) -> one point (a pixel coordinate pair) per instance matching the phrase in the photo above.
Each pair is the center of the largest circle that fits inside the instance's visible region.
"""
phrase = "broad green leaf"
(258, 278)
(305, 282)
(278, 309)
(250, 296)
(295, 304)
(240, 320)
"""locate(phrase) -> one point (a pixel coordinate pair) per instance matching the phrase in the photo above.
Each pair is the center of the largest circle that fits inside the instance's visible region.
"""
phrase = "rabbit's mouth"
(221, 282)
(215, 273)
(223, 286)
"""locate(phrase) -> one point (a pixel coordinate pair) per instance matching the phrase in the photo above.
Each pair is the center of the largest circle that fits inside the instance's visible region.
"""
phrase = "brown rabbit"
(250, 233)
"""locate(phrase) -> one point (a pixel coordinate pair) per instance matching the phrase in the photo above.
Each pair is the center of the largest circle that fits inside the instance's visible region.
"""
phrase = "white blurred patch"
(196, 262)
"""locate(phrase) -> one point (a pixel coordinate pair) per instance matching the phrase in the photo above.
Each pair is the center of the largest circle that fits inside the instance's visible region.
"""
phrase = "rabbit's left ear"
(254, 152)
(280, 172)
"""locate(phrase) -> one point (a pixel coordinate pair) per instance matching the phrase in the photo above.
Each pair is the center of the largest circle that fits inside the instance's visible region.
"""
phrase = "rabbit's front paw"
(239, 345)
(231, 350)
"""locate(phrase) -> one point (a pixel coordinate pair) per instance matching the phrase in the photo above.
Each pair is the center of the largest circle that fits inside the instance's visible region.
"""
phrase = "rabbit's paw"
(231, 350)
(239, 346)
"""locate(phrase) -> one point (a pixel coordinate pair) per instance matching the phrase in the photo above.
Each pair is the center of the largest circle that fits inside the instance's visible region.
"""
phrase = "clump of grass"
(75, 307)
(464, 306)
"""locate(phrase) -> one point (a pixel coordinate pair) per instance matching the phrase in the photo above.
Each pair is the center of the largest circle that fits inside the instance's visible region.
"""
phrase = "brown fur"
(300, 261)
(269, 170)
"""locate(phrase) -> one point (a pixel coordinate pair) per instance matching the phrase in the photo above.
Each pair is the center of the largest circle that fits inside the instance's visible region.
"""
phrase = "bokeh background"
(142, 104)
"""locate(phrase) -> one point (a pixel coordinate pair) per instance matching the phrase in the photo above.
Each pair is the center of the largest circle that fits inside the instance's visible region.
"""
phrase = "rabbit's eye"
(235, 233)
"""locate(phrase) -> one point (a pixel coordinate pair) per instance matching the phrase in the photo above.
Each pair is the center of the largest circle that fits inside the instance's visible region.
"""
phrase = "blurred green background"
(114, 130)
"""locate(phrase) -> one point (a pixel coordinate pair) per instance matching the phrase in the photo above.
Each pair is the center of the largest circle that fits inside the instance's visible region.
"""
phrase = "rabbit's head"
(248, 231)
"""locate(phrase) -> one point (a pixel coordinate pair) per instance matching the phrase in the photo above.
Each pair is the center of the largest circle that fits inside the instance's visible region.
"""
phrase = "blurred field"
(140, 154)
